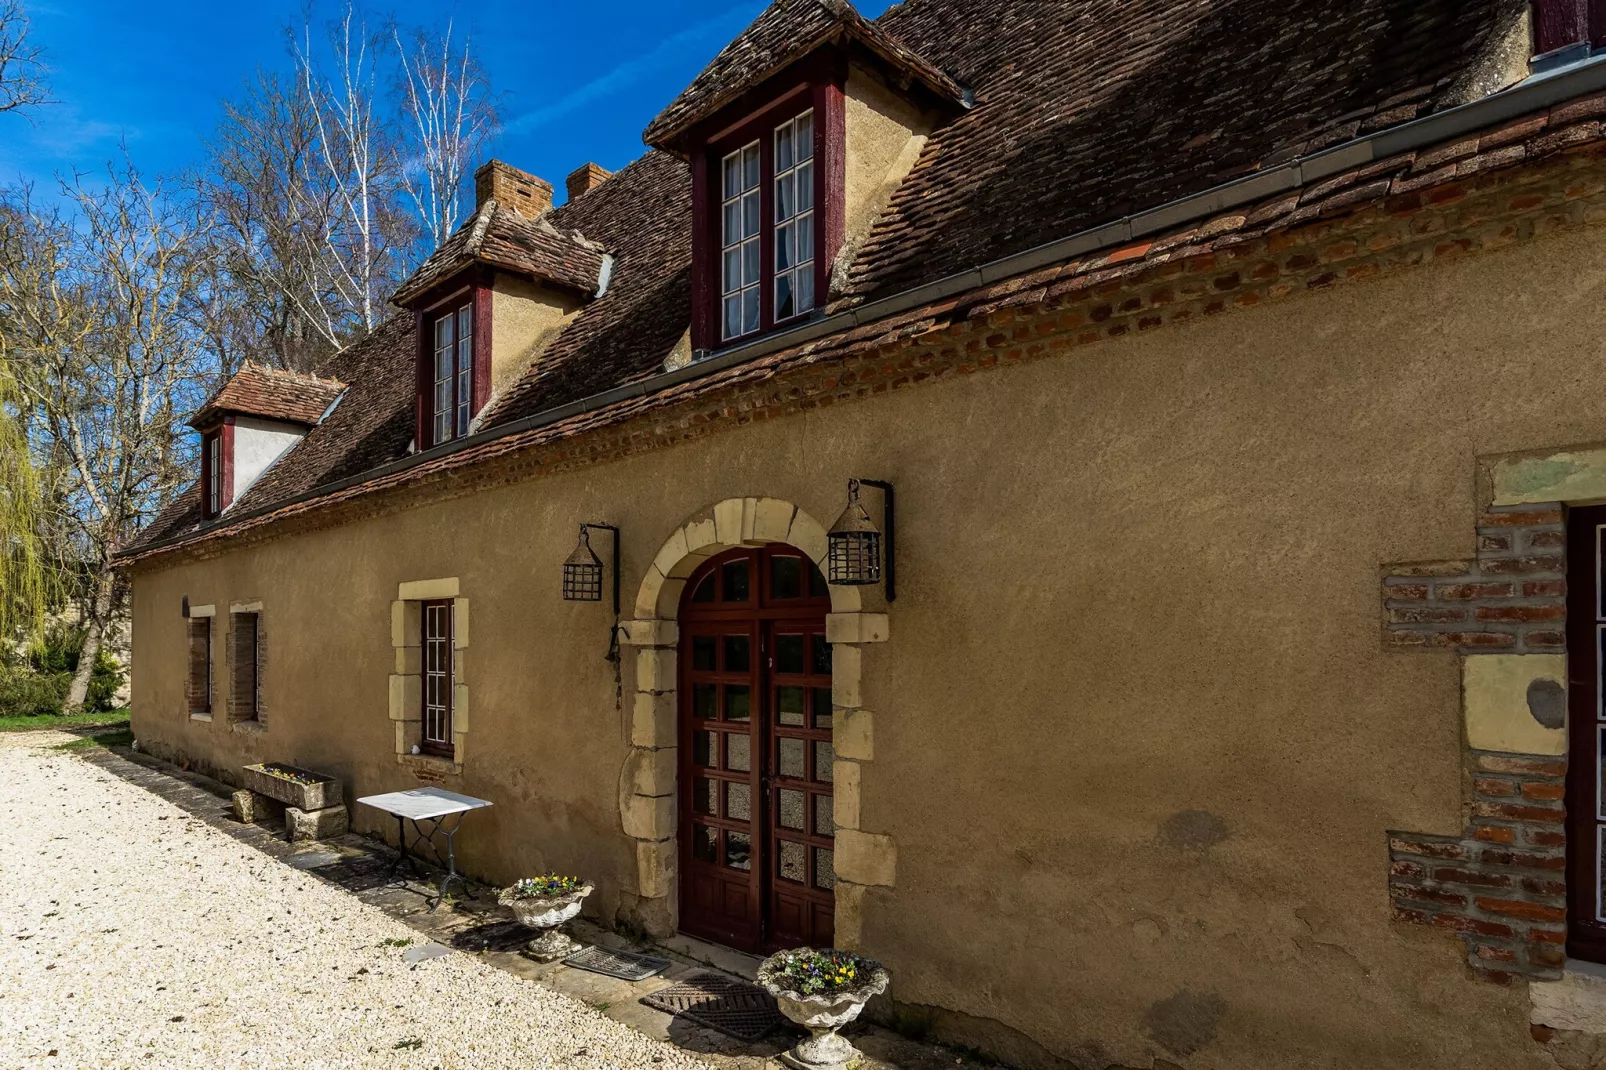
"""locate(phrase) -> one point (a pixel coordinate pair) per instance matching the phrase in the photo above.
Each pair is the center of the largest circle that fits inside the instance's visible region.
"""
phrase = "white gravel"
(133, 935)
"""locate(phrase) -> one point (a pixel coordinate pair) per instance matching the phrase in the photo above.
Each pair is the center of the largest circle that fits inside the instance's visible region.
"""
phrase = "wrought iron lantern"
(582, 572)
(856, 547)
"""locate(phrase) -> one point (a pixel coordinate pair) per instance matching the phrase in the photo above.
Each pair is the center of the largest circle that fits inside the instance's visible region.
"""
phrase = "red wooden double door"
(756, 830)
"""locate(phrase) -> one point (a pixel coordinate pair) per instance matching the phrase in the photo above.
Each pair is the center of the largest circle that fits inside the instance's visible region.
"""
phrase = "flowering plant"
(296, 776)
(812, 973)
(543, 887)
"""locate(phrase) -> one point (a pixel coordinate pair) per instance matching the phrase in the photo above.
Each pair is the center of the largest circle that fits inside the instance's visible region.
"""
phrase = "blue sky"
(578, 80)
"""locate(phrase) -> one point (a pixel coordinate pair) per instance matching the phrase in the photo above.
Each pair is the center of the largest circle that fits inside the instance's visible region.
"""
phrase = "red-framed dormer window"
(768, 196)
(217, 469)
(454, 356)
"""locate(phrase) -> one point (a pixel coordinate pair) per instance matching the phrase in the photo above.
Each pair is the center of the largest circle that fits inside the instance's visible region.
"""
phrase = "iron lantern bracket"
(889, 568)
(613, 564)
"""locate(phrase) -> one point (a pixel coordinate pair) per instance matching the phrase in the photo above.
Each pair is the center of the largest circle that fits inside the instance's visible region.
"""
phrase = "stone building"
(1228, 694)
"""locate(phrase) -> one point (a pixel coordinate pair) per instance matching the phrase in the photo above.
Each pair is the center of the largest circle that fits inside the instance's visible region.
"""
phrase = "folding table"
(442, 811)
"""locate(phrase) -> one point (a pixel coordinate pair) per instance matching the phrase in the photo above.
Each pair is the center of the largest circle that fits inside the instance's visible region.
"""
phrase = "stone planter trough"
(547, 914)
(324, 791)
(821, 1014)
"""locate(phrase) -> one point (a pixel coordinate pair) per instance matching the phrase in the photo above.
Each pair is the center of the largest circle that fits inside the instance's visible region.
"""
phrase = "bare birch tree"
(450, 115)
(22, 68)
(94, 303)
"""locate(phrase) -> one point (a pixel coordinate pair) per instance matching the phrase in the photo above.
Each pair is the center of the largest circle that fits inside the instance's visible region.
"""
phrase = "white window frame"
(794, 216)
(741, 203)
(452, 373)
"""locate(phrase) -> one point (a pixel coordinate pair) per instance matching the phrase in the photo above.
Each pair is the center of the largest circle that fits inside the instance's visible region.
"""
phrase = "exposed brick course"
(1508, 905)
(1473, 605)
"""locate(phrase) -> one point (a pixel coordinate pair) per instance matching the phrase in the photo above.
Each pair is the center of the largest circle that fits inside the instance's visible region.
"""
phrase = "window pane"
(443, 332)
(789, 706)
(705, 844)
(733, 175)
(733, 224)
(733, 316)
(805, 135)
(705, 590)
(443, 425)
(824, 757)
(704, 653)
(750, 210)
(465, 323)
(824, 868)
(789, 653)
(702, 749)
(704, 701)
(783, 148)
(735, 576)
(750, 310)
(738, 802)
(805, 187)
(824, 818)
(750, 254)
(443, 364)
(738, 753)
(738, 850)
(791, 809)
(785, 206)
(805, 288)
(822, 656)
(791, 862)
(702, 795)
(738, 653)
(791, 760)
(738, 702)
(786, 577)
(822, 707)
(750, 175)
(805, 238)
(785, 249)
(783, 297)
(733, 270)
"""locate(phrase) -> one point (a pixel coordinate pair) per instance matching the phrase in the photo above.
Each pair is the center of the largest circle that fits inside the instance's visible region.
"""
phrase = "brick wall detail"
(1511, 598)
(1501, 886)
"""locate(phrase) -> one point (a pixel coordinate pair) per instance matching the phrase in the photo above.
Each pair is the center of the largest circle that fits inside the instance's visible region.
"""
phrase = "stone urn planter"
(546, 904)
(822, 991)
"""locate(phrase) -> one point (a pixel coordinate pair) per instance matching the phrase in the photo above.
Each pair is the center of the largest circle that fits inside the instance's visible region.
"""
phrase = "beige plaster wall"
(525, 318)
(884, 134)
(1137, 740)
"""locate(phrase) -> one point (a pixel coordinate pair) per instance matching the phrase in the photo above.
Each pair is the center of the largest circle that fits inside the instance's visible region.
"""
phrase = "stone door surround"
(647, 786)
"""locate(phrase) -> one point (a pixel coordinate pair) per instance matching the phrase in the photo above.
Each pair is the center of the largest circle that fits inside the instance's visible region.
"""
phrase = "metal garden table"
(442, 811)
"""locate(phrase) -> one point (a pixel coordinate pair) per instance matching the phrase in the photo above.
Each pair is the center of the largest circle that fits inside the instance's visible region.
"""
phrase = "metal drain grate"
(733, 1007)
(621, 964)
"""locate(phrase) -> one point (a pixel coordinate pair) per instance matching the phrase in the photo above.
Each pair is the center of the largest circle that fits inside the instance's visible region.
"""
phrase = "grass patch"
(105, 719)
(114, 737)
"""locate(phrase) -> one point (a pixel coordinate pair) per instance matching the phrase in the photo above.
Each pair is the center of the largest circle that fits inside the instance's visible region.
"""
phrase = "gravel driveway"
(133, 935)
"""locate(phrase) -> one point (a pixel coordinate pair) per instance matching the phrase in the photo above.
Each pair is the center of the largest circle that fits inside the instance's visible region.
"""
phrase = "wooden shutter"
(243, 667)
(200, 677)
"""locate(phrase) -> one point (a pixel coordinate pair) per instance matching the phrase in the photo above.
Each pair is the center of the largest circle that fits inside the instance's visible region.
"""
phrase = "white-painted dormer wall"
(257, 444)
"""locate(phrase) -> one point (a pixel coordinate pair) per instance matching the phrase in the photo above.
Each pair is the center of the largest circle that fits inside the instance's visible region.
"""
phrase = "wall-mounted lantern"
(582, 572)
(855, 544)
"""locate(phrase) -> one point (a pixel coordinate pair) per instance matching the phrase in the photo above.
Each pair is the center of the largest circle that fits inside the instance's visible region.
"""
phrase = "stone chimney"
(511, 188)
(587, 178)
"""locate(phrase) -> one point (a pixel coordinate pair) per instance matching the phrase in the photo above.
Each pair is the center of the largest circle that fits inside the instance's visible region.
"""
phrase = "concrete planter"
(821, 1014)
(547, 914)
(321, 794)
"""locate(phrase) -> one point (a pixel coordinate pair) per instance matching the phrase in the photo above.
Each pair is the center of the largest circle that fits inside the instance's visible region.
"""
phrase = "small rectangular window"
(740, 240)
(214, 473)
(245, 668)
(438, 649)
(200, 675)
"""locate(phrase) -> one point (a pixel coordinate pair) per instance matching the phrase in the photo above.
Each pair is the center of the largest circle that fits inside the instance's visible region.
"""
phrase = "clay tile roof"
(271, 394)
(503, 238)
(785, 32)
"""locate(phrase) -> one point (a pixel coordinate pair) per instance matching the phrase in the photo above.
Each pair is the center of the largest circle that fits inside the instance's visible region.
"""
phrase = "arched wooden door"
(756, 830)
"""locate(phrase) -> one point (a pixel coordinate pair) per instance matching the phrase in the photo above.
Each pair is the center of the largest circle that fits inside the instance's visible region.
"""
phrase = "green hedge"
(38, 684)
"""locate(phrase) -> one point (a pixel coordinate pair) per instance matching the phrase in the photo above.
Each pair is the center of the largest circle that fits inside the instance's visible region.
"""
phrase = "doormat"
(621, 964)
(733, 1007)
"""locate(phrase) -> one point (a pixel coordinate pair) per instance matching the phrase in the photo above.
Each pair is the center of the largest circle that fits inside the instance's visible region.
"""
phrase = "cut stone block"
(315, 824)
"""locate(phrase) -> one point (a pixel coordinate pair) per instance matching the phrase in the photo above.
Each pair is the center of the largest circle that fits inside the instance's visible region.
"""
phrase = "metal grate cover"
(621, 964)
(733, 1007)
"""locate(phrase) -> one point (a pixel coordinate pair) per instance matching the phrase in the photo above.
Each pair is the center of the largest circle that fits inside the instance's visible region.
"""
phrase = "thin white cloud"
(720, 28)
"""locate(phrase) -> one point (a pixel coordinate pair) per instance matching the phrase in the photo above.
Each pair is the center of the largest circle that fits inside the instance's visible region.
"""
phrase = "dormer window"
(767, 224)
(453, 396)
(217, 478)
